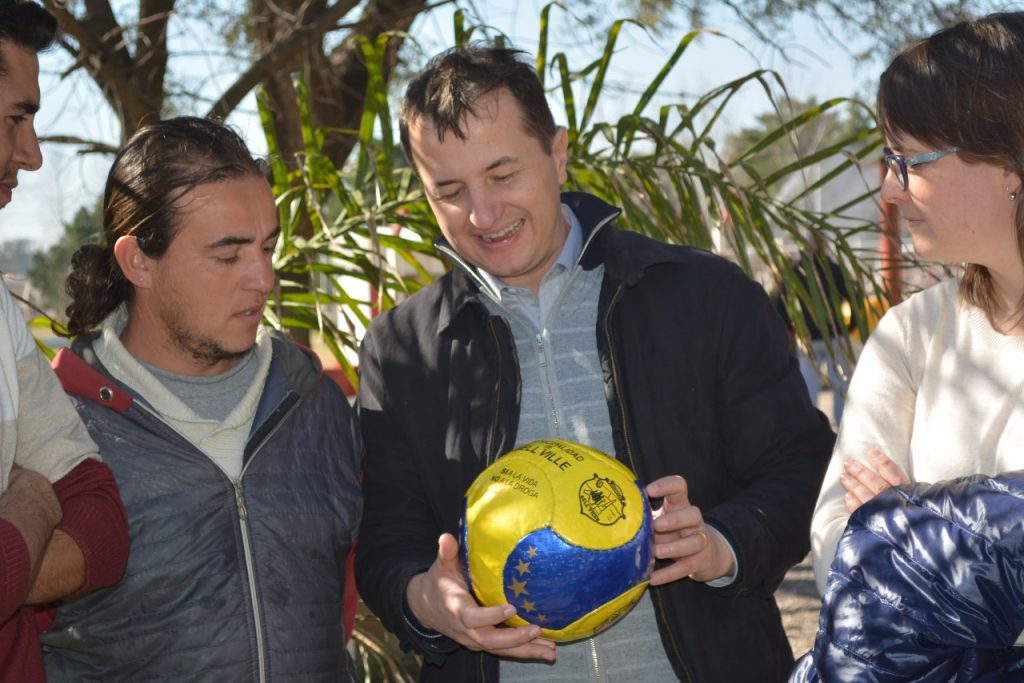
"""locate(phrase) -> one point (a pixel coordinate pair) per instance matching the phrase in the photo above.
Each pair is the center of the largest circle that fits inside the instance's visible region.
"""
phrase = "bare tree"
(337, 77)
(128, 59)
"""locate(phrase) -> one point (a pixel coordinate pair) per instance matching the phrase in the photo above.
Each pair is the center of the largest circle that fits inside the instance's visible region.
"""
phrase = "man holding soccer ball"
(558, 323)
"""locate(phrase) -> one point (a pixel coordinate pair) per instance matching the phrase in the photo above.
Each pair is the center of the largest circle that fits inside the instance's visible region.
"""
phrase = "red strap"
(78, 379)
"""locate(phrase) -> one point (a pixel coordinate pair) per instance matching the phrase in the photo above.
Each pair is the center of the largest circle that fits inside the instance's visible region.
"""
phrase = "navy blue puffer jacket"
(927, 585)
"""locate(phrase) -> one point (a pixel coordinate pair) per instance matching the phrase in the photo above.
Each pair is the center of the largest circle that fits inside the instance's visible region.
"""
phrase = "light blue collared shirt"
(520, 299)
(534, 309)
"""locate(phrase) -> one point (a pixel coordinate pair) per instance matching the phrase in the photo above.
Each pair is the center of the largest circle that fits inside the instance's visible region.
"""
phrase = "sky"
(815, 65)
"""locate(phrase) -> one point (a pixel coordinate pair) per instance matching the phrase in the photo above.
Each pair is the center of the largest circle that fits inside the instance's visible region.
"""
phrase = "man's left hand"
(697, 550)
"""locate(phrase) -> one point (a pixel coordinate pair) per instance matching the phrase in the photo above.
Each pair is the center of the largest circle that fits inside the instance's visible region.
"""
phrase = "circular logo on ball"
(602, 500)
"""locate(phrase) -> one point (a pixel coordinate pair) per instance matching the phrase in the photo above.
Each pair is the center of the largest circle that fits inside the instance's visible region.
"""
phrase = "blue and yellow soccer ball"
(562, 532)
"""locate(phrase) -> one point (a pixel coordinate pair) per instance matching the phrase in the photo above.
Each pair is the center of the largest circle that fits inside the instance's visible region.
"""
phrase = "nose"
(892, 191)
(262, 273)
(27, 155)
(484, 208)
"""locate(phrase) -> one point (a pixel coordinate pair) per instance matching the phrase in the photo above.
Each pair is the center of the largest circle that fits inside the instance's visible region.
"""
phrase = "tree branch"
(282, 52)
(104, 54)
(88, 146)
(151, 48)
(340, 92)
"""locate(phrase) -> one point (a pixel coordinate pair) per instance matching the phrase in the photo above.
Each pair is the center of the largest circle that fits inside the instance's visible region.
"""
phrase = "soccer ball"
(562, 532)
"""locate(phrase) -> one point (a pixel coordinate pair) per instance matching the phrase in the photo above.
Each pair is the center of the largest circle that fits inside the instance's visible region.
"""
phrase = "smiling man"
(557, 322)
(237, 457)
(62, 525)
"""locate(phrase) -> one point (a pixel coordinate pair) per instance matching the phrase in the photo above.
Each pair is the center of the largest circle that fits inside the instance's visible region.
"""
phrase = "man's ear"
(560, 151)
(134, 264)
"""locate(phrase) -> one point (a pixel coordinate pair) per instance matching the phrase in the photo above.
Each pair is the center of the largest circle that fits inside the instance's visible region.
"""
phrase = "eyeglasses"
(899, 164)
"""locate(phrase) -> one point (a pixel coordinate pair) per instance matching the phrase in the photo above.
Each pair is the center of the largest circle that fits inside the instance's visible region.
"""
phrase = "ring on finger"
(704, 535)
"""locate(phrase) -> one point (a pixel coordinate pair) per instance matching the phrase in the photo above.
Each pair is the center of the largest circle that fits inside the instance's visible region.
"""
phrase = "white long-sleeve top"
(939, 391)
(39, 428)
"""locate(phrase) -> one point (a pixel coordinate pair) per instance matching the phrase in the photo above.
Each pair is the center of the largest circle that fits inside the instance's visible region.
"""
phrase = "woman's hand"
(862, 483)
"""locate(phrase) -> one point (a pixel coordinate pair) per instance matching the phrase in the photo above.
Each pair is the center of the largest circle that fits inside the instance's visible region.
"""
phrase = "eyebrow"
(232, 240)
(500, 161)
(26, 107)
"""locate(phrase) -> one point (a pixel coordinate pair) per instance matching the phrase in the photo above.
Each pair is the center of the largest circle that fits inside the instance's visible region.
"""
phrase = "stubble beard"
(204, 350)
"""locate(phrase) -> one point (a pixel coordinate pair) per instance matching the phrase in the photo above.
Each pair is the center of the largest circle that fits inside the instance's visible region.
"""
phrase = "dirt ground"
(799, 601)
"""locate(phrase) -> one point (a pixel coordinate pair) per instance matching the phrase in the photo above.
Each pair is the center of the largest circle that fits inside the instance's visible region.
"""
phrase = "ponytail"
(96, 287)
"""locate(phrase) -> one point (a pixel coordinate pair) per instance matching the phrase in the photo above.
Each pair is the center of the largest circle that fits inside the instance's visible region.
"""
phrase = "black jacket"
(699, 383)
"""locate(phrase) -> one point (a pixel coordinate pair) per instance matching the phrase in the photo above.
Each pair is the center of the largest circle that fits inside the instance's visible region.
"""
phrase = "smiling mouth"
(504, 234)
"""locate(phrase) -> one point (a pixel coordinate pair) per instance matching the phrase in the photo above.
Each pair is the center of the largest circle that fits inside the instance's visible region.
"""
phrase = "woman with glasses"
(919, 586)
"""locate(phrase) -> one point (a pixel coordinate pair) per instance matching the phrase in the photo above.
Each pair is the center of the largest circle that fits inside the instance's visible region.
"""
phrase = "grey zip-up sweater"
(227, 580)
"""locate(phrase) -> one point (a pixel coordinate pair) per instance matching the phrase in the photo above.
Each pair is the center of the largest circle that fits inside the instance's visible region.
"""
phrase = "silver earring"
(1013, 196)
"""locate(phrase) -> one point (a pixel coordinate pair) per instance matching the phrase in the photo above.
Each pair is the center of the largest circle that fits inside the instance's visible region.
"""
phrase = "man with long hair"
(237, 456)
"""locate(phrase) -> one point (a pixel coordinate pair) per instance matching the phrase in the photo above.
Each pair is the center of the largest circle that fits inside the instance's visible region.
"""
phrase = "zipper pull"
(243, 513)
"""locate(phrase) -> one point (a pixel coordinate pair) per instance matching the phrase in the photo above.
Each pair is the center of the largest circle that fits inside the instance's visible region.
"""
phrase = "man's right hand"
(440, 600)
(30, 504)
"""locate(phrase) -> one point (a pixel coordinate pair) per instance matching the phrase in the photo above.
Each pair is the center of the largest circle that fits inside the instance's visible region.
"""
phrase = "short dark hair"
(159, 164)
(964, 87)
(26, 24)
(447, 90)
